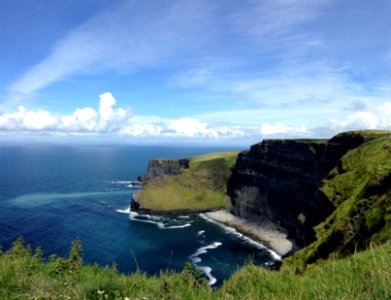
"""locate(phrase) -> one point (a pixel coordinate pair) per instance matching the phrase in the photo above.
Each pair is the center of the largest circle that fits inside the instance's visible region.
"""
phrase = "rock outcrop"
(279, 181)
(173, 186)
(165, 167)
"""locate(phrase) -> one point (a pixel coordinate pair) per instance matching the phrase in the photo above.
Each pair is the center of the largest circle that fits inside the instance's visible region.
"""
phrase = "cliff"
(330, 196)
(174, 186)
(360, 189)
(165, 167)
(279, 181)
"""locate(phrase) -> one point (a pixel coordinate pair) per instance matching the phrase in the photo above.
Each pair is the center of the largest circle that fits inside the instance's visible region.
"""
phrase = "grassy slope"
(365, 275)
(360, 188)
(202, 186)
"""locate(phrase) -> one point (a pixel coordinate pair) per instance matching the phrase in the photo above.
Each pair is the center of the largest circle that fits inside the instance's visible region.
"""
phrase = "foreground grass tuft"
(24, 275)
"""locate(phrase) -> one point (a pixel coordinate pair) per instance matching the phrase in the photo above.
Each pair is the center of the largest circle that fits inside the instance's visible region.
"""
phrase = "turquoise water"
(51, 195)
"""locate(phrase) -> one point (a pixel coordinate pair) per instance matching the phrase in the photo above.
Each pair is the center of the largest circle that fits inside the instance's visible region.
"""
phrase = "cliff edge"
(196, 184)
(360, 189)
(278, 181)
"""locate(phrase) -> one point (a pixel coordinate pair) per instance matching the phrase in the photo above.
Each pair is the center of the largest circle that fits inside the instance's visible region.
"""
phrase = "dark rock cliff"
(279, 181)
(168, 167)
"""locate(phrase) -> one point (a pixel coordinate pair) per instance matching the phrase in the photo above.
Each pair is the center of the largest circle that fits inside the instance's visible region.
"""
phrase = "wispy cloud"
(313, 90)
(125, 37)
(145, 34)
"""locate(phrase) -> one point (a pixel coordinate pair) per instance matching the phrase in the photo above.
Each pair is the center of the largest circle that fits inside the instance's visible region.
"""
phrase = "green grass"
(24, 275)
(360, 188)
(365, 275)
(201, 187)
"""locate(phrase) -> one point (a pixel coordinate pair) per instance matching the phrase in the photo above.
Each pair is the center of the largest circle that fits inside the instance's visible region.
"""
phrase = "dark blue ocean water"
(51, 195)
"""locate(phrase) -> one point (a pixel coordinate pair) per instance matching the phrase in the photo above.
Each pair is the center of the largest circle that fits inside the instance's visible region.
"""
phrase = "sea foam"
(160, 222)
(201, 232)
(195, 259)
(124, 211)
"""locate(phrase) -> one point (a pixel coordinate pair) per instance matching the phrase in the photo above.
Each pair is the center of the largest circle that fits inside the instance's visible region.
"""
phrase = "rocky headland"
(186, 185)
(326, 197)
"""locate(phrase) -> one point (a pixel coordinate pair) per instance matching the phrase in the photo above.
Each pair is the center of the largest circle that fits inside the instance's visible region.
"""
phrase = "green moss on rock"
(360, 189)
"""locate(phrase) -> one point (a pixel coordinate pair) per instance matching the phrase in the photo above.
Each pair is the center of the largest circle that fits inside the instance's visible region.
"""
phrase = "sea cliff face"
(279, 181)
(165, 167)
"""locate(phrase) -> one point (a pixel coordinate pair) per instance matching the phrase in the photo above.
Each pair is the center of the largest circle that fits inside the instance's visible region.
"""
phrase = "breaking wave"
(160, 222)
(195, 259)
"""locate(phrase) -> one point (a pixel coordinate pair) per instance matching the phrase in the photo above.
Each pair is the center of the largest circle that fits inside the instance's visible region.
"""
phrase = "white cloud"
(140, 130)
(83, 119)
(33, 120)
(385, 119)
(356, 121)
(271, 129)
(39, 120)
(188, 127)
(112, 121)
(378, 118)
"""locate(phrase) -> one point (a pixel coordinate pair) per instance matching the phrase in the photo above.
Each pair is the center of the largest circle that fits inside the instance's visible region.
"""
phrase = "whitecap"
(205, 249)
(124, 211)
(133, 184)
(201, 232)
(183, 217)
(158, 221)
(208, 272)
(195, 259)
(162, 226)
(125, 182)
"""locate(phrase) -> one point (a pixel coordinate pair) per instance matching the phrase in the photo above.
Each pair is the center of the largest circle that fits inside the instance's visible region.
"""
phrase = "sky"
(222, 72)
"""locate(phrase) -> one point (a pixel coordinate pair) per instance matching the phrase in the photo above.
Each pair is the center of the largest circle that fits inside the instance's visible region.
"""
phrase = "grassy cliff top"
(202, 160)
(360, 189)
(200, 187)
(365, 135)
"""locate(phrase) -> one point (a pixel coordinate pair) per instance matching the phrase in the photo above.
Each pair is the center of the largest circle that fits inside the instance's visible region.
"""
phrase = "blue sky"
(197, 72)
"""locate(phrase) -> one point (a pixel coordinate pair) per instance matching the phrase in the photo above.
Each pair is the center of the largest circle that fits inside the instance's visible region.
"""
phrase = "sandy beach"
(267, 234)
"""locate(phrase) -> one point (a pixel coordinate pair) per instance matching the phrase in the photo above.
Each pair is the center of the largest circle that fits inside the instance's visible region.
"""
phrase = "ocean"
(52, 194)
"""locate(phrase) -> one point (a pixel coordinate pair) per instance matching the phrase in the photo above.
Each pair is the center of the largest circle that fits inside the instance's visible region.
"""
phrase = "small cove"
(51, 195)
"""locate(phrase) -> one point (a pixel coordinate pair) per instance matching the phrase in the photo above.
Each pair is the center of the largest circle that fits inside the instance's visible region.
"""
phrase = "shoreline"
(268, 235)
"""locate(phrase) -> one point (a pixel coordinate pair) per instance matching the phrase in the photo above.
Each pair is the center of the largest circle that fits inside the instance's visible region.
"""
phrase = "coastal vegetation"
(350, 257)
(24, 274)
(360, 189)
(200, 187)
